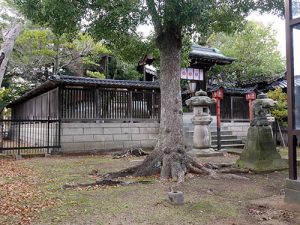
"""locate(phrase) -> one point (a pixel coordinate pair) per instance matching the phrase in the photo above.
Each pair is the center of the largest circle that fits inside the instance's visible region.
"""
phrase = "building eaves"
(55, 81)
(211, 54)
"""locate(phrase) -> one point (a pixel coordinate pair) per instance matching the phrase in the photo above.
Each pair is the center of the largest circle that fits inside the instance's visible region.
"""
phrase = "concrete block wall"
(80, 137)
(238, 129)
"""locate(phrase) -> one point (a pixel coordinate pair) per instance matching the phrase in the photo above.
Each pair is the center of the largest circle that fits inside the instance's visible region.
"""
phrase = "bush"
(98, 75)
(280, 112)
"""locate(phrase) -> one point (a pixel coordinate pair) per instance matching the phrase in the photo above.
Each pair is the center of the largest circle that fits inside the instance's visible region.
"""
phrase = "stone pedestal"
(201, 120)
(260, 154)
(292, 191)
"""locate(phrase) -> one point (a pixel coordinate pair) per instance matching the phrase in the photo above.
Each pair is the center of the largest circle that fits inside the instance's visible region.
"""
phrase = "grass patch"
(217, 209)
(207, 201)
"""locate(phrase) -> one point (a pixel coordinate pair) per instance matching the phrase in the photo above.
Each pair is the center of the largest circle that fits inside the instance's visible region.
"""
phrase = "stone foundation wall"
(80, 137)
(239, 129)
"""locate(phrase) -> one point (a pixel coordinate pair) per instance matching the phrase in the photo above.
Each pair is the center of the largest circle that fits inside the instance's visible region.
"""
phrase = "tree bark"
(170, 134)
(9, 38)
(168, 158)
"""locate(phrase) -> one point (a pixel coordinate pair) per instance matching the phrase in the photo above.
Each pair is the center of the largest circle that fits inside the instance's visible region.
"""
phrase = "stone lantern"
(260, 154)
(201, 120)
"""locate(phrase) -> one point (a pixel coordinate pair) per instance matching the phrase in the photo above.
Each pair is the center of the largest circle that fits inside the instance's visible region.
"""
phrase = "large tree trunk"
(168, 157)
(9, 38)
(170, 135)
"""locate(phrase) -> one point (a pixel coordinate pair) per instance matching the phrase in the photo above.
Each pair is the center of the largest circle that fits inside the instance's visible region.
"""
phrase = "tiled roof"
(210, 54)
(281, 83)
(231, 90)
(85, 81)
(55, 81)
(262, 79)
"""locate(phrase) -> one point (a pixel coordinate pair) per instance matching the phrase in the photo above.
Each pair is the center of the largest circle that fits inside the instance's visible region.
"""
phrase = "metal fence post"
(48, 135)
(19, 137)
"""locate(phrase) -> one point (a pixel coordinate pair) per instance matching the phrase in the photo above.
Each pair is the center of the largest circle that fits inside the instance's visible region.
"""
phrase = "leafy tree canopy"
(255, 50)
(280, 112)
(35, 52)
(111, 20)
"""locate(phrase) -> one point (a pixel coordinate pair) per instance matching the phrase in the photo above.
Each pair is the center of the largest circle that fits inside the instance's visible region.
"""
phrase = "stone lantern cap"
(264, 101)
(201, 99)
(262, 110)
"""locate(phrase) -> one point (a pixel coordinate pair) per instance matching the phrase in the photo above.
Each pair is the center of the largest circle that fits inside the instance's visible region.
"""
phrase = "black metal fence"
(29, 136)
(109, 104)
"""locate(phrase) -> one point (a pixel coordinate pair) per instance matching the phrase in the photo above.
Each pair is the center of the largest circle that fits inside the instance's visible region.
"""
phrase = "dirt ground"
(258, 200)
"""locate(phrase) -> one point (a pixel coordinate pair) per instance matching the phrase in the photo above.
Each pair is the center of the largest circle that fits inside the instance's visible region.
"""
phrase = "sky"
(277, 23)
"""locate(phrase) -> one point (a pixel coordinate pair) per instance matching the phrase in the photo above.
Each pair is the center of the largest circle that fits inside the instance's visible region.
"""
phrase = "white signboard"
(192, 74)
(201, 75)
(196, 74)
(184, 73)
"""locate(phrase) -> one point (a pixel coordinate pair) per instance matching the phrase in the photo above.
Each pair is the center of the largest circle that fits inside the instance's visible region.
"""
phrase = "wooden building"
(95, 114)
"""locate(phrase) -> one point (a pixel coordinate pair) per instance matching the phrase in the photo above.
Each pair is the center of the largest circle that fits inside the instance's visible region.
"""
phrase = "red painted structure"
(250, 97)
(218, 95)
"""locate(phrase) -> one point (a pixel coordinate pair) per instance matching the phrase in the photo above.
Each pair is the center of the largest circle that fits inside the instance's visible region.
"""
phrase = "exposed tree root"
(175, 165)
(169, 164)
(106, 182)
(137, 152)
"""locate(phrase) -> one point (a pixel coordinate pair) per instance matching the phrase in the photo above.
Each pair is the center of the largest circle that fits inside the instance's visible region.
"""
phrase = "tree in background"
(172, 19)
(35, 55)
(255, 50)
(280, 111)
(10, 27)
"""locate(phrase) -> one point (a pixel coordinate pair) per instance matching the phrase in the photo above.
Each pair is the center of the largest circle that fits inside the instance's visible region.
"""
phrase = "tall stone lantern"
(201, 120)
(260, 154)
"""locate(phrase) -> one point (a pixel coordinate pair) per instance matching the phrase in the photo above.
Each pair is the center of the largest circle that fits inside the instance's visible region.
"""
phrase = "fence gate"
(21, 137)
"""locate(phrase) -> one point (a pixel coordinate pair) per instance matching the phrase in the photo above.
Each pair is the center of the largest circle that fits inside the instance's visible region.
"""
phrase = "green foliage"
(280, 112)
(116, 21)
(36, 51)
(255, 51)
(98, 75)
(185, 51)
(121, 70)
(61, 16)
(14, 91)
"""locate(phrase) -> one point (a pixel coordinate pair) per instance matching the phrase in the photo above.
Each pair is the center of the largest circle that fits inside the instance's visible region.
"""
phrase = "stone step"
(228, 142)
(213, 133)
(223, 137)
(223, 132)
(230, 146)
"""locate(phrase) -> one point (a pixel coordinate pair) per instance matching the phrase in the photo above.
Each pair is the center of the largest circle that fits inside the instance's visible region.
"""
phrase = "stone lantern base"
(260, 154)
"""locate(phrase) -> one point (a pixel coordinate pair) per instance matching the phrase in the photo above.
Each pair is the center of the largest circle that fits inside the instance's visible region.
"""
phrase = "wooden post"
(250, 97)
(218, 95)
(218, 112)
(130, 106)
(250, 110)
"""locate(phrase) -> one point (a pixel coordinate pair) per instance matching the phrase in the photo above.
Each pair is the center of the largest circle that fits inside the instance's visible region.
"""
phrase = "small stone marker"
(176, 197)
(18, 157)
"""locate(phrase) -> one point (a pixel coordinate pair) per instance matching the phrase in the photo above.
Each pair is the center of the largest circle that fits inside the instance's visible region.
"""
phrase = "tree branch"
(156, 19)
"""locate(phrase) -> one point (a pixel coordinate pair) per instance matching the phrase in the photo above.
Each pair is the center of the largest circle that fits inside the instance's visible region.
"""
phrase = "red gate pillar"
(250, 97)
(218, 95)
